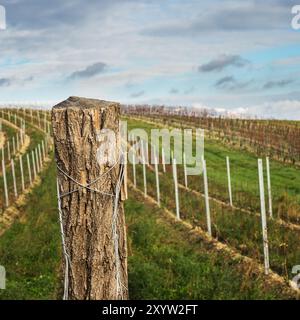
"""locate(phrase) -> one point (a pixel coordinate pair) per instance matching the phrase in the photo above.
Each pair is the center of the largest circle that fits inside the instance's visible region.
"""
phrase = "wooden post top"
(85, 103)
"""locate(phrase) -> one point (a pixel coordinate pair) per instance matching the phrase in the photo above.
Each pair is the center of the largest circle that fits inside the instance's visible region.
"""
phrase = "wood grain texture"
(87, 215)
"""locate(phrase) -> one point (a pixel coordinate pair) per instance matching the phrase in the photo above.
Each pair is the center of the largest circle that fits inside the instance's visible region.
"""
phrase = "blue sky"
(240, 56)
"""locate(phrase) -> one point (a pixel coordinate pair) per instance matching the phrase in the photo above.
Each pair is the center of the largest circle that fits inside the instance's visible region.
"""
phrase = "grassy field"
(164, 261)
(232, 226)
(285, 179)
(30, 249)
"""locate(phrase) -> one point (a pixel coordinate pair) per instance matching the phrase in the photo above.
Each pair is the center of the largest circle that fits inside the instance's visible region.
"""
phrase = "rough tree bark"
(87, 215)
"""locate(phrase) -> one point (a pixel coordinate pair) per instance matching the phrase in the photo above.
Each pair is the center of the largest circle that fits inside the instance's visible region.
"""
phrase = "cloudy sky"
(242, 56)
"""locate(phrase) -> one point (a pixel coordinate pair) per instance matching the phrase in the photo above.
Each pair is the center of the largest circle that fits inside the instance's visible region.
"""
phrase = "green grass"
(30, 249)
(285, 179)
(234, 227)
(238, 229)
(164, 261)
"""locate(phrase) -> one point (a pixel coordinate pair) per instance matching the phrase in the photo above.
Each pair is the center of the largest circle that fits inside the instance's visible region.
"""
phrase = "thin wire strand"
(119, 285)
(89, 184)
(66, 255)
(115, 236)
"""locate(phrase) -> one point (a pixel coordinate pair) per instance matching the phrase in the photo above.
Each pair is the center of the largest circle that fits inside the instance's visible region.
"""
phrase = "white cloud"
(285, 109)
(68, 36)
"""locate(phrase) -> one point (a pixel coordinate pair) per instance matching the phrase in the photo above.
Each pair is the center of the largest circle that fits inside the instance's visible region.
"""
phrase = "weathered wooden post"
(91, 210)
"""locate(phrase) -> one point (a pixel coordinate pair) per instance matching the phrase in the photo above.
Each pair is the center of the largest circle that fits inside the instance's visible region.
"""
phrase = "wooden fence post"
(92, 212)
(263, 216)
